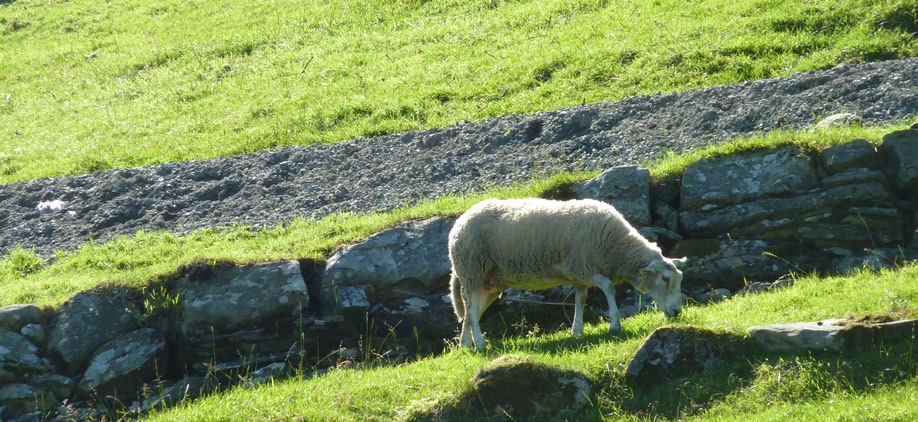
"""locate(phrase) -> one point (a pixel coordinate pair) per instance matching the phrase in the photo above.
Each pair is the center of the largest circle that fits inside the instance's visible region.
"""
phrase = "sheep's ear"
(680, 263)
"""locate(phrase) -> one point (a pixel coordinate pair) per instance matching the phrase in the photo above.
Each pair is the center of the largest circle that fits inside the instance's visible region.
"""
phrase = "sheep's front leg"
(580, 296)
(607, 287)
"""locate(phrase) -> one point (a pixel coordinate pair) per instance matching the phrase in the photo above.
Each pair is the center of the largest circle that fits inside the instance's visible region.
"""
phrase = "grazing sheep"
(536, 244)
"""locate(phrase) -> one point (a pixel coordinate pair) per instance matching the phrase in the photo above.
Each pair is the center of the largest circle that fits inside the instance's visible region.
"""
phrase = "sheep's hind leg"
(580, 296)
(476, 300)
(607, 287)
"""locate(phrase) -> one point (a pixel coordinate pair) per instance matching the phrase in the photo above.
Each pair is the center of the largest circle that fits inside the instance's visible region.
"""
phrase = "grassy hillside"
(88, 85)
(880, 384)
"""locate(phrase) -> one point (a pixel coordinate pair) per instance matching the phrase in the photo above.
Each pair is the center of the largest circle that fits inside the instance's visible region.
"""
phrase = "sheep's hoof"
(615, 328)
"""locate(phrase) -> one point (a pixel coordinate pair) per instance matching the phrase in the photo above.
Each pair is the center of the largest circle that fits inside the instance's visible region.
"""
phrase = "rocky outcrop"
(744, 221)
(672, 352)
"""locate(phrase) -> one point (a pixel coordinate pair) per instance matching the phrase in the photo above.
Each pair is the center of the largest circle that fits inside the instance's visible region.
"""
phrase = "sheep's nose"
(674, 313)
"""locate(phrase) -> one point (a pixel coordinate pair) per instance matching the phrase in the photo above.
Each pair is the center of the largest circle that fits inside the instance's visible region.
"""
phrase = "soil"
(270, 187)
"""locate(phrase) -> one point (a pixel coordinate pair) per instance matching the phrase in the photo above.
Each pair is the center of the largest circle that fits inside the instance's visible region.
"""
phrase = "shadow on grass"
(743, 373)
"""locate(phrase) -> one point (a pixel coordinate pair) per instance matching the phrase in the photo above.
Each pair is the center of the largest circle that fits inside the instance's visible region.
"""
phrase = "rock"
(627, 188)
(256, 311)
(854, 154)
(19, 358)
(19, 399)
(899, 156)
(58, 385)
(518, 387)
(269, 373)
(715, 182)
(404, 261)
(34, 332)
(799, 336)
(14, 317)
(729, 263)
(243, 296)
(845, 216)
(672, 352)
(185, 389)
(87, 320)
(716, 295)
(120, 366)
(839, 120)
(352, 302)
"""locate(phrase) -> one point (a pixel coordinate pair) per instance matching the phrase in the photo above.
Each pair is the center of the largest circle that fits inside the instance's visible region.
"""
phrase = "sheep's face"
(662, 279)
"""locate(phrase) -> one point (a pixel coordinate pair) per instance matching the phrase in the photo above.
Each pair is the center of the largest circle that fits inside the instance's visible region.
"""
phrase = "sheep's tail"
(455, 288)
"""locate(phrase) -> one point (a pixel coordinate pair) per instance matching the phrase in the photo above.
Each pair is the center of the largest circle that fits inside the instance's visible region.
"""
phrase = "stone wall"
(744, 219)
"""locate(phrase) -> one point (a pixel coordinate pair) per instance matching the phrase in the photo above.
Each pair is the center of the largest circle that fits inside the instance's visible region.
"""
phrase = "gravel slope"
(269, 187)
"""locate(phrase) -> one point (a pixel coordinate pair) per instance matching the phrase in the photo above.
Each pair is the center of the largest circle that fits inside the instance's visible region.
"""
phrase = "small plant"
(23, 262)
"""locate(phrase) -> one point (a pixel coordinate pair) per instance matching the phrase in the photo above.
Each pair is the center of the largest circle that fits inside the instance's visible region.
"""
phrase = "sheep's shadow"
(685, 393)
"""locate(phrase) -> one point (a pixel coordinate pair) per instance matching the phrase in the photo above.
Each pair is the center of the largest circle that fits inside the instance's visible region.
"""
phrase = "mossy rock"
(517, 388)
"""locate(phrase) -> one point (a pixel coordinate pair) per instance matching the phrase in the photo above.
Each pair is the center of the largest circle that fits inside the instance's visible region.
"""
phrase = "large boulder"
(715, 182)
(899, 152)
(401, 262)
(120, 366)
(87, 320)
(627, 188)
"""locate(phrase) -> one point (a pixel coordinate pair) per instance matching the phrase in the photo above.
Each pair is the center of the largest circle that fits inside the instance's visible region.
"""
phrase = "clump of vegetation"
(21, 263)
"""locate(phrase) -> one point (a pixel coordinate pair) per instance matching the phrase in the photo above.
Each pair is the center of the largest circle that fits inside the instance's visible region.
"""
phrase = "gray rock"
(87, 320)
(123, 364)
(19, 358)
(351, 301)
(19, 399)
(715, 182)
(714, 296)
(627, 188)
(799, 336)
(839, 120)
(854, 154)
(845, 215)
(729, 263)
(58, 385)
(899, 153)
(671, 352)
(187, 388)
(14, 317)
(242, 296)
(269, 373)
(34, 332)
(404, 261)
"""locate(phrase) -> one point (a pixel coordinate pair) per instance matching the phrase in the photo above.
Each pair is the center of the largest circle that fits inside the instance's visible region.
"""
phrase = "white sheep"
(537, 243)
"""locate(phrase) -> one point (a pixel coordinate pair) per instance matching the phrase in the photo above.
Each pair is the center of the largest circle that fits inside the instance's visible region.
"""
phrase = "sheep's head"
(662, 279)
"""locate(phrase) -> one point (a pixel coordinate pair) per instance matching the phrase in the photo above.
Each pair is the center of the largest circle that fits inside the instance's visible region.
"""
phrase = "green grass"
(86, 86)
(138, 259)
(878, 384)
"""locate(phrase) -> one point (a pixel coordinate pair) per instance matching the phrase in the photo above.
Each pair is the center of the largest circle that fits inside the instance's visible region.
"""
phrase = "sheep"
(536, 244)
